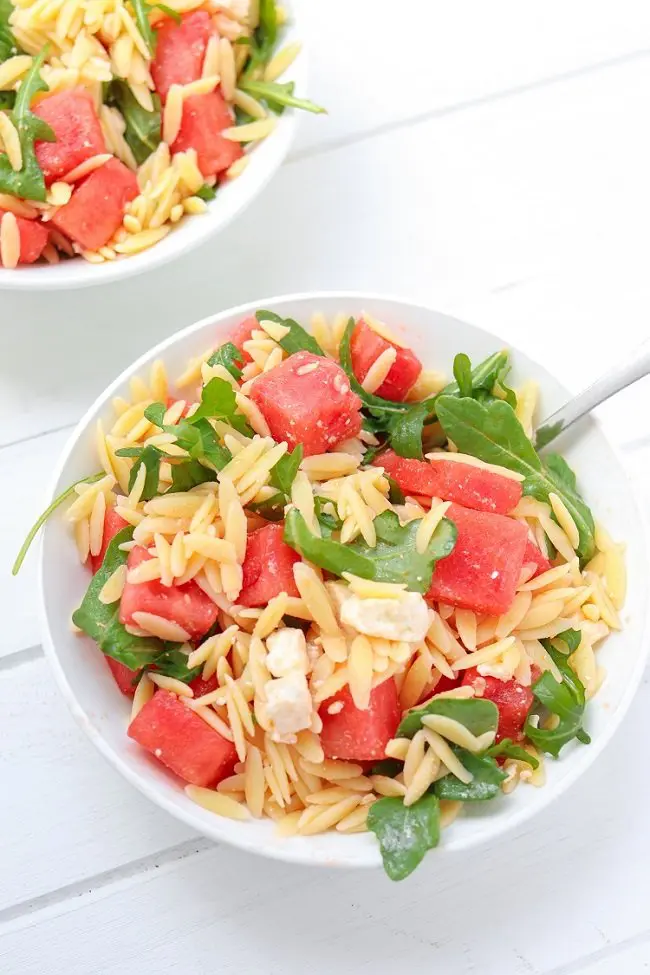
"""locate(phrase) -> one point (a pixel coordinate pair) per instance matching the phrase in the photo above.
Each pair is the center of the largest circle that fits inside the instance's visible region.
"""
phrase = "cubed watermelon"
(96, 208)
(72, 117)
(451, 480)
(512, 699)
(201, 687)
(241, 333)
(123, 676)
(367, 345)
(533, 554)
(204, 118)
(182, 740)
(186, 605)
(180, 50)
(360, 736)
(33, 238)
(307, 399)
(483, 570)
(268, 567)
(113, 523)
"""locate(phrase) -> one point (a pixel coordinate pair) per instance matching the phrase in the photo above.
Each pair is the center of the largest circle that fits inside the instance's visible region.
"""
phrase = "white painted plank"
(631, 960)
(374, 62)
(445, 212)
(66, 815)
(533, 903)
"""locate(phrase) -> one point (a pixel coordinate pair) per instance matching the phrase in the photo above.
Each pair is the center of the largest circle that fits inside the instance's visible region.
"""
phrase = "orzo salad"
(119, 118)
(342, 592)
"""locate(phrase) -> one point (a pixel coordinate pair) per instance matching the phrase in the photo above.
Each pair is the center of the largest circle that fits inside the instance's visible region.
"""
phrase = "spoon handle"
(634, 367)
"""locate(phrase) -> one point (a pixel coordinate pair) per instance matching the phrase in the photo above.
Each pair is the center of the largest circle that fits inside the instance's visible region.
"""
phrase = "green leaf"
(200, 441)
(508, 749)
(369, 400)
(264, 37)
(328, 522)
(387, 766)
(405, 431)
(298, 340)
(172, 662)
(284, 472)
(228, 356)
(486, 783)
(463, 374)
(278, 96)
(188, 475)
(492, 433)
(8, 46)
(27, 182)
(405, 833)
(206, 193)
(155, 413)
(395, 493)
(42, 518)
(566, 700)
(141, 10)
(143, 128)
(570, 637)
(561, 472)
(7, 99)
(217, 401)
(484, 376)
(150, 457)
(272, 509)
(394, 558)
(477, 714)
(168, 11)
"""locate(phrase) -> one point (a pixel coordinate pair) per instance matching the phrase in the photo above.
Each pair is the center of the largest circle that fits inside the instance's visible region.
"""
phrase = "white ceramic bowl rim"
(232, 198)
(361, 850)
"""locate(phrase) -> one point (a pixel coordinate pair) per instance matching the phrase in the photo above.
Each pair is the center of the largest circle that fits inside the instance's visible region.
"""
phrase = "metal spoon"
(633, 368)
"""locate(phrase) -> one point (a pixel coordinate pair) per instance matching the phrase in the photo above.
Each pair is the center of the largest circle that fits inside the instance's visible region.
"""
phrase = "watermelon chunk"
(123, 676)
(483, 570)
(180, 50)
(268, 567)
(360, 736)
(242, 333)
(512, 699)
(186, 605)
(204, 118)
(96, 207)
(72, 117)
(451, 480)
(182, 740)
(533, 554)
(307, 399)
(366, 346)
(33, 238)
(201, 687)
(113, 523)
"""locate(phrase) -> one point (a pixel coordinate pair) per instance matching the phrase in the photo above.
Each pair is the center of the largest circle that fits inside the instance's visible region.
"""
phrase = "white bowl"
(232, 198)
(103, 712)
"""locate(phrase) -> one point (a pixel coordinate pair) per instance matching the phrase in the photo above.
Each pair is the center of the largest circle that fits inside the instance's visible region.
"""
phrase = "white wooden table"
(491, 159)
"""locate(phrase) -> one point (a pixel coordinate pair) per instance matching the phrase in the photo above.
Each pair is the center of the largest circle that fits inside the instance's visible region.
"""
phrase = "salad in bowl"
(337, 591)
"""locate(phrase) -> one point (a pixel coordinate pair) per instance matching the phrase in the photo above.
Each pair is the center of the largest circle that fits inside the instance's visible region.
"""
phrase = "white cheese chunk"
(288, 706)
(406, 617)
(287, 652)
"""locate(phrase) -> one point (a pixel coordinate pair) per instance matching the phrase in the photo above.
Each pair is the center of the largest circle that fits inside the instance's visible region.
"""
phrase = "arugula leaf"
(329, 523)
(228, 356)
(508, 749)
(561, 472)
(284, 472)
(395, 493)
(8, 46)
(278, 96)
(168, 11)
(188, 475)
(7, 98)
(566, 700)
(492, 433)
(206, 193)
(150, 457)
(28, 182)
(463, 374)
(217, 401)
(570, 637)
(405, 431)
(264, 37)
(143, 128)
(298, 340)
(387, 766)
(172, 662)
(405, 833)
(477, 714)
(272, 509)
(484, 376)
(141, 10)
(394, 558)
(155, 413)
(486, 783)
(200, 441)
(42, 518)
